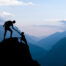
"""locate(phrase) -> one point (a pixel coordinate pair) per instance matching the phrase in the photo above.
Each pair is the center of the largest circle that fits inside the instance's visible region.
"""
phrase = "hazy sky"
(35, 12)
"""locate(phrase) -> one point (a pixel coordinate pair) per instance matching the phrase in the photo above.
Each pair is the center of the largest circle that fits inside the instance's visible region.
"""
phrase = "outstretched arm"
(16, 30)
(13, 27)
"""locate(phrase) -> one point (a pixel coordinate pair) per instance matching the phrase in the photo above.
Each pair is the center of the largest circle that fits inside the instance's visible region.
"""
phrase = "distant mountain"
(2, 19)
(31, 39)
(1, 32)
(57, 56)
(49, 42)
(37, 52)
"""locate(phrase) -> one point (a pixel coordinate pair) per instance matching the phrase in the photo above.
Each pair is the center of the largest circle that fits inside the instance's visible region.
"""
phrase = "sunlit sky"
(38, 13)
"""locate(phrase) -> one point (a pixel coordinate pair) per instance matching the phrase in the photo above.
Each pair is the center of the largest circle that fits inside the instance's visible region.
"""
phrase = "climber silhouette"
(23, 38)
(7, 26)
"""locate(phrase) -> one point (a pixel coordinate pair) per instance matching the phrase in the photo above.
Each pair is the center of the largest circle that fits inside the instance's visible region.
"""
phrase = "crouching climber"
(23, 38)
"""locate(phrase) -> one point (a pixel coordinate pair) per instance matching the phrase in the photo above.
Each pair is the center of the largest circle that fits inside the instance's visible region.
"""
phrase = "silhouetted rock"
(21, 57)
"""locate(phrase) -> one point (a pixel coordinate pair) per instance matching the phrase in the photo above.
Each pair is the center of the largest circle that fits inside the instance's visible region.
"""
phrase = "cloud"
(63, 21)
(52, 26)
(14, 2)
(5, 16)
(49, 26)
(40, 31)
(4, 13)
(51, 20)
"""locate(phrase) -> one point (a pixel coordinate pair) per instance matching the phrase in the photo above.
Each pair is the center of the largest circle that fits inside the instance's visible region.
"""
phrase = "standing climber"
(7, 26)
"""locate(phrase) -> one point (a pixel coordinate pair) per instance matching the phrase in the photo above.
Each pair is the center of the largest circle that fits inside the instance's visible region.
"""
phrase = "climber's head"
(22, 33)
(14, 21)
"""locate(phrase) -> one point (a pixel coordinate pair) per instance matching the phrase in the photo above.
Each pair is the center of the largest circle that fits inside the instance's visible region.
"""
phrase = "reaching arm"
(13, 27)
(16, 30)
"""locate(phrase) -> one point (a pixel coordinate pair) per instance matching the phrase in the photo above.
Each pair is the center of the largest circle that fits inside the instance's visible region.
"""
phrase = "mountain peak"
(10, 43)
(24, 53)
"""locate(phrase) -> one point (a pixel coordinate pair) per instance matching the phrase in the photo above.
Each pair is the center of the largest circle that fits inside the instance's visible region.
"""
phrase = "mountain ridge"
(47, 43)
(24, 53)
(57, 55)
